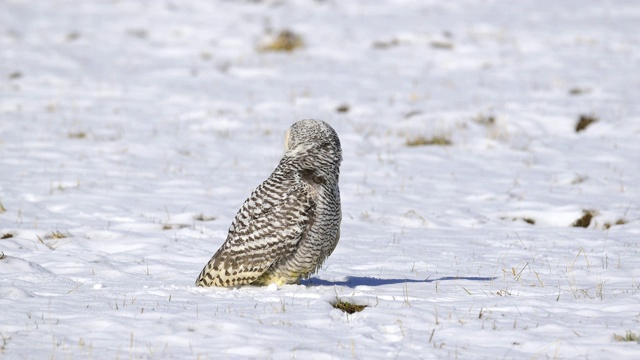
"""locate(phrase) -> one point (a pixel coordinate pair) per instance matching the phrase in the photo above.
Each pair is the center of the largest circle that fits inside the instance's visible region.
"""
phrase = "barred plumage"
(291, 222)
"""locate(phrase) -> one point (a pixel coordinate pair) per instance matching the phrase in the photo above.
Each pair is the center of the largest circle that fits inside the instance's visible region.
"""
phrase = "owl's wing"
(262, 233)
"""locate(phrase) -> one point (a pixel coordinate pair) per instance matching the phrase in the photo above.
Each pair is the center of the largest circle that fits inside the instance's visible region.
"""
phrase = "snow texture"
(132, 131)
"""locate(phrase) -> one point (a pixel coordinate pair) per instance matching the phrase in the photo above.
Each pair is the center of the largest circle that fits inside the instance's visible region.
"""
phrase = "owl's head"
(314, 138)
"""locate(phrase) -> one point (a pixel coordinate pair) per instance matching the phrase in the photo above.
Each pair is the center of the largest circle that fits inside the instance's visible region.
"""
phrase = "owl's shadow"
(354, 281)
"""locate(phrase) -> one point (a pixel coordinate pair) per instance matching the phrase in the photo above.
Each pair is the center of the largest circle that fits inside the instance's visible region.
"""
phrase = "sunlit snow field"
(131, 132)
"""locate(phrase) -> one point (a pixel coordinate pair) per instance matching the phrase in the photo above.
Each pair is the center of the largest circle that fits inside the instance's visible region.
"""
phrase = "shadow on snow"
(353, 281)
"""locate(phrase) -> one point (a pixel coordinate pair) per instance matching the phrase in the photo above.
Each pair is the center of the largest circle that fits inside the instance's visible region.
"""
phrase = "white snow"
(132, 131)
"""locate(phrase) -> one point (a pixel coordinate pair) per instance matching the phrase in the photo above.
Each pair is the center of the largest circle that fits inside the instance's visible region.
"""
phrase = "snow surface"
(134, 130)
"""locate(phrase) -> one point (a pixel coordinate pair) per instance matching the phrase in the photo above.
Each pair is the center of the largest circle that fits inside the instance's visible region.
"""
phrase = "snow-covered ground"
(132, 131)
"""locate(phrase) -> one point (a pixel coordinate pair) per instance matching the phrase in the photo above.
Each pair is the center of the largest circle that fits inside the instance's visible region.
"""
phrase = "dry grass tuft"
(348, 307)
(629, 336)
(620, 221)
(441, 140)
(530, 221)
(56, 235)
(485, 120)
(585, 220)
(203, 217)
(286, 41)
(386, 44)
(579, 91)
(344, 108)
(77, 135)
(166, 227)
(584, 121)
(579, 179)
(442, 45)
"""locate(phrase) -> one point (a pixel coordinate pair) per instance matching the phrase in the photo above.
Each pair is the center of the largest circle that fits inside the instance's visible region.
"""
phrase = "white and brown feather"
(291, 222)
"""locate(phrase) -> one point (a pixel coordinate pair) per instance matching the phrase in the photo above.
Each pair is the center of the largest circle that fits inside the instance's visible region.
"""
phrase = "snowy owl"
(291, 222)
